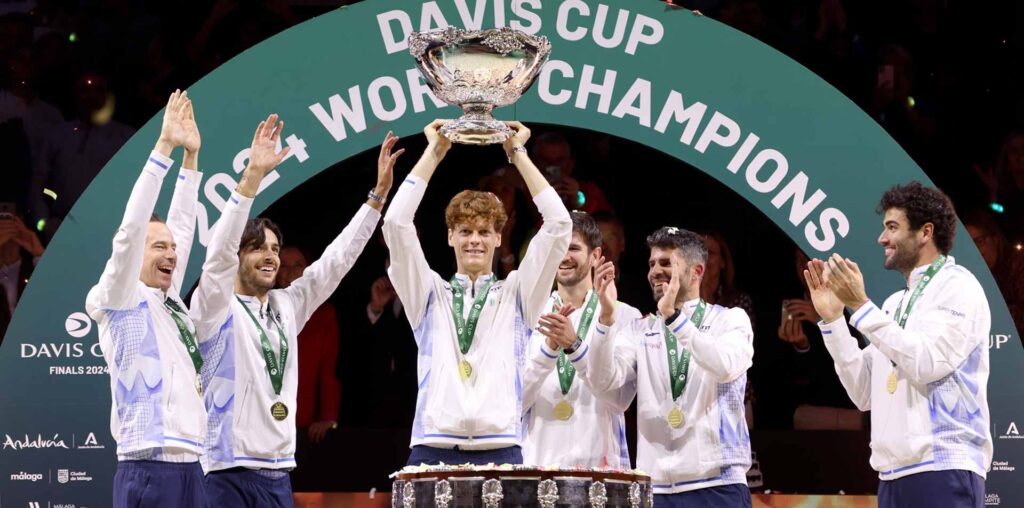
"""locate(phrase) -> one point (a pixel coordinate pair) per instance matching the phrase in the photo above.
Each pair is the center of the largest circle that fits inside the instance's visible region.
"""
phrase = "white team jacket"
(484, 412)
(157, 414)
(938, 418)
(595, 435)
(238, 390)
(712, 447)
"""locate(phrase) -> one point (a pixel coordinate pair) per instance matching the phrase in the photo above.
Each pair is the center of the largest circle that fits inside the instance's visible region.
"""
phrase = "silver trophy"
(478, 70)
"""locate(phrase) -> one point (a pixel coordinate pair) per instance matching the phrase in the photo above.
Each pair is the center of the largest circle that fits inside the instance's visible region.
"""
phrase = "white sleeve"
(612, 364)
(536, 272)
(117, 285)
(853, 365)
(540, 362)
(321, 278)
(211, 303)
(623, 396)
(410, 275)
(725, 355)
(181, 220)
(945, 334)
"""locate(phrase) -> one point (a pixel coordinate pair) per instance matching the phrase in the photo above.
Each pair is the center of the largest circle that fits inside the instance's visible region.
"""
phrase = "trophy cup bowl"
(478, 70)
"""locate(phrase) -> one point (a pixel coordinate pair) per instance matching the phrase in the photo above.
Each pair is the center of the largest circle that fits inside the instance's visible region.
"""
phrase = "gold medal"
(279, 411)
(465, 370)
(675, 418)
(890, 382)
(563, 410)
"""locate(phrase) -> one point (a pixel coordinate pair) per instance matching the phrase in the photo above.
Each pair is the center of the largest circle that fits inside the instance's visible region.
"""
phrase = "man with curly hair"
(924, 376)
(472, 330)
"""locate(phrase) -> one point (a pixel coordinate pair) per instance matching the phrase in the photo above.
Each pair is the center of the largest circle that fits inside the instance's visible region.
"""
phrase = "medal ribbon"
(186, 335)
(566, 372)
(466, 328)
(929, 274)
(275, 370)
(918, 289)
(677, 369)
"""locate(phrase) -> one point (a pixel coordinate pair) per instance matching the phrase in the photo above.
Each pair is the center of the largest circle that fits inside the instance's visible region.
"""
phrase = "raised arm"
(946, 333)
(547, 248)
(409, 273)
(613, 355)
(725, 355)
(555, 333)
(322, 277)
(437, 148)
(117, 284)
(853, 365)
(623, 396)
(211, 303)
(181, 218)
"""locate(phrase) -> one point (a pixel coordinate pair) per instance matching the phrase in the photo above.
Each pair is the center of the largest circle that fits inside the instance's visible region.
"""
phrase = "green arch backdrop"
(689, 86)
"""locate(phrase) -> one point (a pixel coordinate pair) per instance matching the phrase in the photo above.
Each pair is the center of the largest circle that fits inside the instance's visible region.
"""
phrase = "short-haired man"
(472, 330)
(251, 360)
(146, 335)
(567, 423)
(690, 363)
(924, 376)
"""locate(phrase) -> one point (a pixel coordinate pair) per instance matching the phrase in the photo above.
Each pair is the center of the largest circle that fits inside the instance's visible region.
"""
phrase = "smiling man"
(690, 365)
(924, 376)
(567, 423)
(251, 359)
(472, 330)
(147, 338)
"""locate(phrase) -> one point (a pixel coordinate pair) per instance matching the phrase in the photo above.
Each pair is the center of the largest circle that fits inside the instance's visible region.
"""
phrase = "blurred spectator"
(77, 150)
(553, 156)
(507, 184)
(20, 250)
(632, 287)
(17, 169)
(719, 283)
(1004, 260)
(1005, 183)
(27, 123)
(231, 27)
(814, 396)
(893, 104)
(319, 390)
(379, 363)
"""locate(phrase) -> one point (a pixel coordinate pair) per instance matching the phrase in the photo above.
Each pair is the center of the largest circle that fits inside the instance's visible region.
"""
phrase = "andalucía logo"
(90, 443)
(38, 443)
(1011, 432)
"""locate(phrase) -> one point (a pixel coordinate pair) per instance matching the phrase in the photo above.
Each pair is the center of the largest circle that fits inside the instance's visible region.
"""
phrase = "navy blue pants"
(246, 488)
(434, 456)
(955, 488)
(736, 495)
(150, 483)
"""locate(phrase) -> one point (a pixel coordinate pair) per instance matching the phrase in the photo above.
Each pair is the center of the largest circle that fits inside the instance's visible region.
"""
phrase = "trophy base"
(476, 127)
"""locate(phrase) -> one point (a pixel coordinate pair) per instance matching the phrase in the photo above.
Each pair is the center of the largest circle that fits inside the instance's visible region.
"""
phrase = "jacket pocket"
(241, 410)
(444, 413)
(168, 390)
(496, 404)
